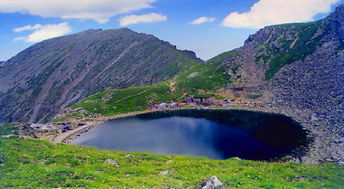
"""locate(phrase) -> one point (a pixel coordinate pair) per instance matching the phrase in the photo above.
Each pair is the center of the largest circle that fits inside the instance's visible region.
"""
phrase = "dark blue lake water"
(213, 134)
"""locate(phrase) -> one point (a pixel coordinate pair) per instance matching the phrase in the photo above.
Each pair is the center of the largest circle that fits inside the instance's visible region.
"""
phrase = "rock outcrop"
(42, 80)
(213, 183)
(112, 162)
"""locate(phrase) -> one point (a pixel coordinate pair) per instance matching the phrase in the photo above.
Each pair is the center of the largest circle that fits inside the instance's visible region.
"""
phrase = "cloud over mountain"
(145, 18)
(271, 12)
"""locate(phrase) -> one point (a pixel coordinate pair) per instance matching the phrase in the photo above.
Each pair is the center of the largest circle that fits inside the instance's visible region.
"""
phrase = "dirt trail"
(63, 136)
(172, 85)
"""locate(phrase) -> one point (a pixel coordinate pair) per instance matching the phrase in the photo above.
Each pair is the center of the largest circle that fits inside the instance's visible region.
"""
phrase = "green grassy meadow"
(30, 163)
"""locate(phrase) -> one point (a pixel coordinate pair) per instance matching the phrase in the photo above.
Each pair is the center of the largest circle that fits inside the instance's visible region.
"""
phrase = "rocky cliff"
(45, 78)
(300, 69)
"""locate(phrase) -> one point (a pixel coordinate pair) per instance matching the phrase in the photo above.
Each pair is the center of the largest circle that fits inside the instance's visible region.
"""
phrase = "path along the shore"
(63, 136)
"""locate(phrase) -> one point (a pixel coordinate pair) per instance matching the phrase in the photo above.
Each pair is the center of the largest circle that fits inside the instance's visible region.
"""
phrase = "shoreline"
(319, 150)
(66, 137)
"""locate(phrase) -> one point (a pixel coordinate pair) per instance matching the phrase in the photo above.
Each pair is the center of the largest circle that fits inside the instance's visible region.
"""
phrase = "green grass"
(209, 79)
(60, 119)
(30, 163)
(126, 100)
(8, 129)
(304, 46)
(221, 57)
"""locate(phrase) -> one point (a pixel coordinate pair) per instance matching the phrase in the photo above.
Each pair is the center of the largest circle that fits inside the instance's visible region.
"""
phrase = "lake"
(213, 134)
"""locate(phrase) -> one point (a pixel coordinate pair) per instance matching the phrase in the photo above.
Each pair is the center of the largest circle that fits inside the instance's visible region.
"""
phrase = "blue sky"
(224, 26)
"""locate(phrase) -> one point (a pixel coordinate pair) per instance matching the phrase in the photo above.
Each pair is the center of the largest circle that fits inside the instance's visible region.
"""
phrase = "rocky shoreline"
(314, 153)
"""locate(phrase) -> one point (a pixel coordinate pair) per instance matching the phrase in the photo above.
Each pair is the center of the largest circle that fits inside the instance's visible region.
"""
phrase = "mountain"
(47, 77)
(300, 70)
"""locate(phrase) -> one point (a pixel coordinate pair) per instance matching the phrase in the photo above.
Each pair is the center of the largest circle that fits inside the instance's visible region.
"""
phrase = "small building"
(44, 128)
(189, 100)
(163, 105)
(202, 100)
(174, 105)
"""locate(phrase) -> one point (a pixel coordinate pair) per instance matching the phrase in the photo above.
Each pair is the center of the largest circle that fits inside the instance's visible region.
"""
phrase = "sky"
(207, 27)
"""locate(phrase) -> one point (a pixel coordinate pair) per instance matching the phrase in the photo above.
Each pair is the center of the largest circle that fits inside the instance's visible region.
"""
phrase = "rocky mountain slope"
(47, 77)
(300, 69)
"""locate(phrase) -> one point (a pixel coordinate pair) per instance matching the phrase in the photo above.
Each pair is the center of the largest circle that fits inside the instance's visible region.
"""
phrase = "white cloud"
(146, 18)
(202, 20)
(270, 12)
(19, 39)
(98, 10)
(43, 32)
(27, 27)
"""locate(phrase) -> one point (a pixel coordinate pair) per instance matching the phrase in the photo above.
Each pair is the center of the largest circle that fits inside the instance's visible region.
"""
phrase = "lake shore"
(320, 148)
(66, 137)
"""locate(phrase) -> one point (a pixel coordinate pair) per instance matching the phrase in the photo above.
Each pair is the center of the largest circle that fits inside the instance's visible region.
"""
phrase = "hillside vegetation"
(30, 163)
(199, 79)
(293, 50)
(56, 73)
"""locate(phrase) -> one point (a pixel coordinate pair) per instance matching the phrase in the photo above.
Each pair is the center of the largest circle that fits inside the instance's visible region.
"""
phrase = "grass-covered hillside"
(274, 47)
(31, 163)
(199, 79)
(286, 50)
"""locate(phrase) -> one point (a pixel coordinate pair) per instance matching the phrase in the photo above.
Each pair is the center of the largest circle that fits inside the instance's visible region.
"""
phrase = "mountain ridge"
(66, 69)
(299, 70)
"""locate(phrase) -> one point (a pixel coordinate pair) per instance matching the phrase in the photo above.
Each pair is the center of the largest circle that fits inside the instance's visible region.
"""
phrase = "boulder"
(164, 172)
(213, 183)
(112, 162)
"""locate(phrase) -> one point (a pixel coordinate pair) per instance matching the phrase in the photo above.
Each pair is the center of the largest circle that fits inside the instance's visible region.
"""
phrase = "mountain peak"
(338, 13)
(58, 72)
(91, 31)
(125, 30)
(340, 8)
